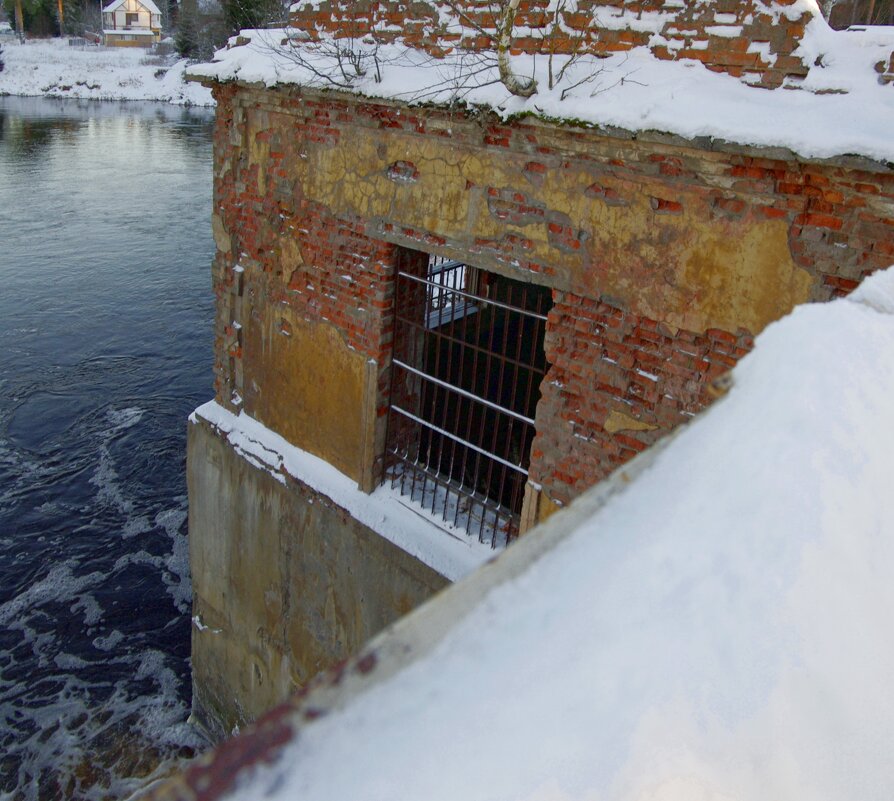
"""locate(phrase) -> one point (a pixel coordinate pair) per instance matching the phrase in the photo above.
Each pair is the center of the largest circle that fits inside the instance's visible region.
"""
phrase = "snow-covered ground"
(51, 68)
(719, 630)
(840, 108)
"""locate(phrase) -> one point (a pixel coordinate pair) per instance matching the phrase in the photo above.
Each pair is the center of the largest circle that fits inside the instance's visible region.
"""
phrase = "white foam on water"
(108, 642)
(124, 418)
(105, 477)
(177, 577)
(60, 585)
(69, 662)
(137, 558)
(65, 733)
(87, 604)
(134, 526)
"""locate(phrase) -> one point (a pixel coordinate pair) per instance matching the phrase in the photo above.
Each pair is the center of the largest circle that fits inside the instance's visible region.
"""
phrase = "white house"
(131, 23)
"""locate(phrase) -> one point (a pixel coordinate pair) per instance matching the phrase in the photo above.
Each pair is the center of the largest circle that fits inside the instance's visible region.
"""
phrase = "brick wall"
(617, 382)
(753, 40)
(624, 368)
(344, 276)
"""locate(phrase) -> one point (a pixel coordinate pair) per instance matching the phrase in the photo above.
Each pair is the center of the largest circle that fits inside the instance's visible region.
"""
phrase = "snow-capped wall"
(754, 40)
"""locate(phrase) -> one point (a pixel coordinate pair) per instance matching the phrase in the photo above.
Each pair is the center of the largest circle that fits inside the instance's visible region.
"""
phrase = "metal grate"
(467, 367)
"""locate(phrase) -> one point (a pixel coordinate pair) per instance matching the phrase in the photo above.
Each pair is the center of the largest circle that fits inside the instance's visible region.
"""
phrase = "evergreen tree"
(37, 17)
(1, 58)
(241, 14)
(187, 39)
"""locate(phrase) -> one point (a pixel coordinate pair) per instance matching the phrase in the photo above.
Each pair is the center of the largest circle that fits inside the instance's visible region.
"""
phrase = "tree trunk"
(61, 17)
(518, 86)
(20, 21)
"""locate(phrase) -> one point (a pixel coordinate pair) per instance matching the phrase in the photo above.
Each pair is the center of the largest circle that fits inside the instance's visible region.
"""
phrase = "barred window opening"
(466, 373)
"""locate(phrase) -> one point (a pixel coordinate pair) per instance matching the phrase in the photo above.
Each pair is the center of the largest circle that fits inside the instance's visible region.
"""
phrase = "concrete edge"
(416, 532)
(218, 772)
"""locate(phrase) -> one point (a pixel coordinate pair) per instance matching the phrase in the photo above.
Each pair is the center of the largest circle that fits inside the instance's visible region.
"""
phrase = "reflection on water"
(105, 321)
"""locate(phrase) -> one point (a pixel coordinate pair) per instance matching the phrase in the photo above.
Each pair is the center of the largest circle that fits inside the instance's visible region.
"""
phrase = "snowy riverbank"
(50, 68)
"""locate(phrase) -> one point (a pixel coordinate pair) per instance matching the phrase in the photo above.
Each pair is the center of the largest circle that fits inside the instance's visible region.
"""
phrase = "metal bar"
(453, 274)
(473, 297)
(467, 345)
(488, 356)
(471, 445)
(463, 392)
(502, 355)
(443, 266)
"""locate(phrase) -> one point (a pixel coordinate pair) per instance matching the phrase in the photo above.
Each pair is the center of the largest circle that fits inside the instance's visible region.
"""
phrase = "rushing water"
(105, 339)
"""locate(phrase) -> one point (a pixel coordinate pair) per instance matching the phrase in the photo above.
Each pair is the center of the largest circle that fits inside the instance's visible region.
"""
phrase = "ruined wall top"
(750, 39)
(692, 68)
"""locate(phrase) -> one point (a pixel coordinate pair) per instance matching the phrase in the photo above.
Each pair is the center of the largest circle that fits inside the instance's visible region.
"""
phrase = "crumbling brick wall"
(756, 41)
(318, 195)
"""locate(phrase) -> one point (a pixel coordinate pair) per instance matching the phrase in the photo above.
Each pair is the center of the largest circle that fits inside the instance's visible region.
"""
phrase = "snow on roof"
(840, 108)
(718, 629)
(147, 4)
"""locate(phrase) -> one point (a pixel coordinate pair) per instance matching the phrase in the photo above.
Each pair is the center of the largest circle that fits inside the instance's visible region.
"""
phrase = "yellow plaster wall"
(305, 383)
(690, 270)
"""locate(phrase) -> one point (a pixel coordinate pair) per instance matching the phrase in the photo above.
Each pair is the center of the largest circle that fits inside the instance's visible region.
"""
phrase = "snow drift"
(720, 629)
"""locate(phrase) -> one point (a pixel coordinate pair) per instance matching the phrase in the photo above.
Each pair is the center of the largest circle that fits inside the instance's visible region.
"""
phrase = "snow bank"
(452, 553)
(51, 68)
(719, 630)
(840, 108)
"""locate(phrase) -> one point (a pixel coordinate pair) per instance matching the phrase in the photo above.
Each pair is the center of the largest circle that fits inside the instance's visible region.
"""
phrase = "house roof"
(147, 4)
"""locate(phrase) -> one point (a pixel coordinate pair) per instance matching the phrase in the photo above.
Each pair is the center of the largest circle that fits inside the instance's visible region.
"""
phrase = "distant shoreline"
(50, 68)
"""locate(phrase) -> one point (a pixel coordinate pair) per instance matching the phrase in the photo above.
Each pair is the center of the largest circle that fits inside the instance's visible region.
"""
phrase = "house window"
(466, 372)
(132, 19)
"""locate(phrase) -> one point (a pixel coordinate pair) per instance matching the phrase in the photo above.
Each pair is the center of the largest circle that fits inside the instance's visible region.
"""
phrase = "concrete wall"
(285, 583)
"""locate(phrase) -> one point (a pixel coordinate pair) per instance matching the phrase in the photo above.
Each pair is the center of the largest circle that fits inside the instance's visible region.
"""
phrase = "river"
(105, 347)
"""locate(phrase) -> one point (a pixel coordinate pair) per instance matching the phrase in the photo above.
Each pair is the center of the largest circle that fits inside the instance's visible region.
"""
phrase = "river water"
(105, 347)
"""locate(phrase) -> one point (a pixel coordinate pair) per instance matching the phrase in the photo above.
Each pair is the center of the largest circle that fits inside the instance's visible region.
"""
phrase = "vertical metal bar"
(502, 361)
(449, 299)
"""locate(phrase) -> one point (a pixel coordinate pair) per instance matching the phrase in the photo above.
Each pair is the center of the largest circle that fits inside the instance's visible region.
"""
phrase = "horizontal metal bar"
(435, 332)
(462, 392)
(470, 296)
(449, 313)
(444, 266)
(442, 432)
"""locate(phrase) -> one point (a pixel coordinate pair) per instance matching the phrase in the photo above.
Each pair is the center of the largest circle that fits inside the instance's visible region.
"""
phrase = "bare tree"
(523, 87)
(341, 62)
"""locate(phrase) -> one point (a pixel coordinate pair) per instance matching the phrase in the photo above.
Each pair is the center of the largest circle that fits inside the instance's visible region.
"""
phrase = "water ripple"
(106, 326)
